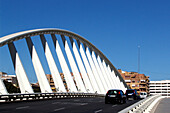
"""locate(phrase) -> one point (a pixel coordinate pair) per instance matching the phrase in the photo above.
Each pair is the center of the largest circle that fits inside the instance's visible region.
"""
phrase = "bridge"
(86, 73)
(85, 68)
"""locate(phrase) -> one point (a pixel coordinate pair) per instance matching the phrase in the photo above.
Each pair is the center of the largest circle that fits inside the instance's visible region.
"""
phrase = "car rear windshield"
(112, 92)
(129, 91)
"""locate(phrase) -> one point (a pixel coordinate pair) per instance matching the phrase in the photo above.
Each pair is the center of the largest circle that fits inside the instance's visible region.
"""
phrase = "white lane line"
(76, 100)
(83, 104)
(98, 111)
(22, 107)
(114, 105)
(59, 109)
(56, 102)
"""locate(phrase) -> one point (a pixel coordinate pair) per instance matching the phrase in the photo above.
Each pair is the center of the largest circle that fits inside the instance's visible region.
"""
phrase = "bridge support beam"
(59, 85)
(99, 72)
(96, 74)
(67, 74)
(2, 87)
(104, 73)
(23, 81)
(78, 79)
(40, 73)
(83, 72)
(89, 70)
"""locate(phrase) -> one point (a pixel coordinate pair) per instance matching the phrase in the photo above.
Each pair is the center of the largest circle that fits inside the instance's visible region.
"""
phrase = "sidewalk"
(163, 106)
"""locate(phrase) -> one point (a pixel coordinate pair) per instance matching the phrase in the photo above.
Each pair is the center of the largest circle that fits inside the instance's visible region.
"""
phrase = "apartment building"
(137, 81)
(160, 87)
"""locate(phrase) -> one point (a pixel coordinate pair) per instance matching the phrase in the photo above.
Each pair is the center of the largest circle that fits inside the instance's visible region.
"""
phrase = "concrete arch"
(29, 33)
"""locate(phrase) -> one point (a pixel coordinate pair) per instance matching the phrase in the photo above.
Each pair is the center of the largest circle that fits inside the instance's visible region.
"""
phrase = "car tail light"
(118, 92)
(134, 91)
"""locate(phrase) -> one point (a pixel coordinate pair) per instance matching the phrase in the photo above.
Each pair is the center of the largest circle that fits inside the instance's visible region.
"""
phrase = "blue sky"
(116, 27)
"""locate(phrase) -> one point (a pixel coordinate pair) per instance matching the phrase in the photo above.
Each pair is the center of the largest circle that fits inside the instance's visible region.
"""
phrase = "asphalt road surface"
(72, 105)
(163, 106)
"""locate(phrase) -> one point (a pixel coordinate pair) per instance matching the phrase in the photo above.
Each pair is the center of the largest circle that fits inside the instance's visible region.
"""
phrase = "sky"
(116, 27)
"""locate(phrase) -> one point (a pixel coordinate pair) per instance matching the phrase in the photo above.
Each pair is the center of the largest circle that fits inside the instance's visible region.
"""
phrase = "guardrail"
(38, 96)
(143, 106)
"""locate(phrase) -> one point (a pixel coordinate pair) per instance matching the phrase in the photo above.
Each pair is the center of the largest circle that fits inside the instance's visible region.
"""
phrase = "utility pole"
(138, 58)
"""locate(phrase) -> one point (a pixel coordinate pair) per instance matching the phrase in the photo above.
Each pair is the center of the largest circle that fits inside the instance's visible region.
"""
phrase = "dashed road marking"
(83, 104)
(56, 102)
(98, 111)
(76, 100)
(114, 105)
(59, 109)
(22, 107)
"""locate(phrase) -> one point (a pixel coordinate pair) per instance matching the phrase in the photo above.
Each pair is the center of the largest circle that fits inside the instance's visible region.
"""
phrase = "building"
(137, 81)
(9, 78)
(160, 87)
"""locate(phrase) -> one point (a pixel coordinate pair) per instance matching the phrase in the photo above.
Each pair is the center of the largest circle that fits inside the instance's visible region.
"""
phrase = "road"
(72, 105)
(163, 106)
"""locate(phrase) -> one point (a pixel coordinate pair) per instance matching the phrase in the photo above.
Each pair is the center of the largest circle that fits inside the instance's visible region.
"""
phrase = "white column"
(74, 68)
(112, 76)
(89, 71)
(82, 69)
(67, 74)
(104, 73)
(100, 74)
(101, 88)
(23, 81)
(42, 79)
(59, 85)
(115, 79)
(118, 81)
(3, 90)
(108, 75)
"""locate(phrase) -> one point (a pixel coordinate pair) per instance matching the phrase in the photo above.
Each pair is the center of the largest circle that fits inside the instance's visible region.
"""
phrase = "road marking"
(59, 109)
(100, 101)
(76, 100)
(83, 104)
(114, 105)
(98, 111)
(22, 107)
(56, 102)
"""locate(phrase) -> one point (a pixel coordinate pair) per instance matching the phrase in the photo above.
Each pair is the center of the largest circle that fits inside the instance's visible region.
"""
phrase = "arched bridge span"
(85, 68)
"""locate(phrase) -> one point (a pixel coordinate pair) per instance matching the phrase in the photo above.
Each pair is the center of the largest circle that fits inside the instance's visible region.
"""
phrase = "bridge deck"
(163, 106)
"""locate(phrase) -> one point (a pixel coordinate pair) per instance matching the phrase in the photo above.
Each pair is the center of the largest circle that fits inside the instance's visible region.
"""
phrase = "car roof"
(115, 89)
(130, 89)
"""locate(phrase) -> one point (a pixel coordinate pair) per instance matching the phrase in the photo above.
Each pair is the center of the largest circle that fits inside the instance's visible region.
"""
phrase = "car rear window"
(129, 91)
(113, 92)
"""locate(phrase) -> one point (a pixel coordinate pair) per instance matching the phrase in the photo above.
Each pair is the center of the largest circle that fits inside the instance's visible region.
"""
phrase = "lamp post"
(138, 58)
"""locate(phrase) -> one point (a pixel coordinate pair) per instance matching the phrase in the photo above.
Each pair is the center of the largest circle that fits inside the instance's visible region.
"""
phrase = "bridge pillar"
(23, 81)
(73, 66)
(2, 87)
(104, 73)
(67, 74)
(96, 74)
(89, 70)
(59, 85)
(83, 72)
(40, 73)
(101, 75)
(108, 75)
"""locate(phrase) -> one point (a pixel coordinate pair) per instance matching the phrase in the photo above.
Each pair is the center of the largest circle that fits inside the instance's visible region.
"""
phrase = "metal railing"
(40, 96)
(143, 106)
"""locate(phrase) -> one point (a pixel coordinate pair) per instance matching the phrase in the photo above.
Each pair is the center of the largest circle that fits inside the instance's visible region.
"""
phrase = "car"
(115, 96)
(131, 93)
(143, 95)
